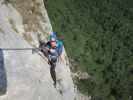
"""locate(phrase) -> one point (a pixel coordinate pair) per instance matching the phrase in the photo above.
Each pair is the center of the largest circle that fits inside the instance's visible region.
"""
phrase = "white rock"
(28, 76)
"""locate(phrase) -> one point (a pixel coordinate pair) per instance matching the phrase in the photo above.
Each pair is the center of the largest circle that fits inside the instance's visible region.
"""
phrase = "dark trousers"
(45, 51)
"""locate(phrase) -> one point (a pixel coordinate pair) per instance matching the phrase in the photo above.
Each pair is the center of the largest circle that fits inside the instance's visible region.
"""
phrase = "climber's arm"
(61, 58)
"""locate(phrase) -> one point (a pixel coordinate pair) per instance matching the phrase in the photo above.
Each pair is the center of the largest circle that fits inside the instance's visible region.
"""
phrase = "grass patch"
(28, 37)
(1, 30)
(30, 13)
(13, 25)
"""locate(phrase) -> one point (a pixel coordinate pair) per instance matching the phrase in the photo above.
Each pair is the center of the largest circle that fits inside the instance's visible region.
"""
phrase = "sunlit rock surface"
(26, 74)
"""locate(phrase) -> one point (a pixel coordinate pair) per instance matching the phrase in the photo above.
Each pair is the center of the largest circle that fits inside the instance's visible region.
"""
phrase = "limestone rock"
(27, 75)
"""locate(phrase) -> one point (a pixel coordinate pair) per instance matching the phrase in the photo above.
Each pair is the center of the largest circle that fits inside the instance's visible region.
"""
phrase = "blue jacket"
(59, 47)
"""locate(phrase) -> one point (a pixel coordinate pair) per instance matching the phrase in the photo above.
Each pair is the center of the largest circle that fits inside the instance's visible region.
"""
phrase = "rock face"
(25, 75)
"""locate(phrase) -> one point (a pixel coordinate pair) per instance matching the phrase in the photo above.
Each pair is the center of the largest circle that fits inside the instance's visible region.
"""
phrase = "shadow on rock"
(3, 77)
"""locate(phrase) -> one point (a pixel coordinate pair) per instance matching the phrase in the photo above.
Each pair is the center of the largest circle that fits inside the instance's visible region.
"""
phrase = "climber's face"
(53, 44)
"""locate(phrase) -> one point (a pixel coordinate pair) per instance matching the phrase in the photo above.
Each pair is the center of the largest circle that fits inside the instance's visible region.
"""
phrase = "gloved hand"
(35, 50)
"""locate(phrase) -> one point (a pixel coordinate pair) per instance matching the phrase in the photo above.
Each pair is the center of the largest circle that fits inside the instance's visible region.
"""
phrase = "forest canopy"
(99, 37)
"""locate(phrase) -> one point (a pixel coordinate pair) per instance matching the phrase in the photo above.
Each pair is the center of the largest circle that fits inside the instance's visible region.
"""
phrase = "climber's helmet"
(52, 39)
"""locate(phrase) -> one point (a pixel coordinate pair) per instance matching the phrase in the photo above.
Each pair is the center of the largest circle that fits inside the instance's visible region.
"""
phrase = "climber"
(58, 42)
(52, 50)
(53, 42)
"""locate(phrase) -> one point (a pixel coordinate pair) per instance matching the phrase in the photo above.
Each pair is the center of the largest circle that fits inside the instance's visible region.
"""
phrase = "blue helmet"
(52, 39)
(53, 35)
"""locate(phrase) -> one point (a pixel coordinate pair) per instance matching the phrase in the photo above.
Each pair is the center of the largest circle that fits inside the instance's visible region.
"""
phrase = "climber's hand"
(61, 59)
(35, 50)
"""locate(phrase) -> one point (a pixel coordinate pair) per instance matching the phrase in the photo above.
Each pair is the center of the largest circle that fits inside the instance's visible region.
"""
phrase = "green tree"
(98, 35)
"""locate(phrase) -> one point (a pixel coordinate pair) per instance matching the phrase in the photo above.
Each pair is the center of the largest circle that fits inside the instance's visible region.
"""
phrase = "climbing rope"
(15, 49)
(21, 49)
(34, 50)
